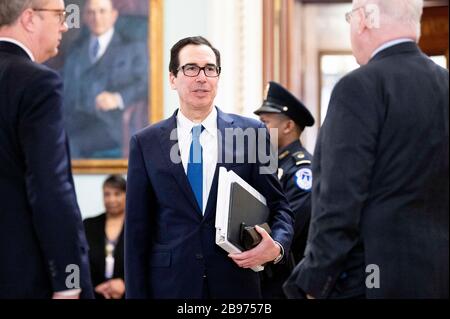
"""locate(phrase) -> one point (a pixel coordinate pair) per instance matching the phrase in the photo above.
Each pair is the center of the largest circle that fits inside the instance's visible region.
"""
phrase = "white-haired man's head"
(374, 22)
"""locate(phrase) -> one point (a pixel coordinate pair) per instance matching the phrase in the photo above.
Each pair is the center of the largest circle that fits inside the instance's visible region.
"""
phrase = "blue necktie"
(195, 165)
(95, 48)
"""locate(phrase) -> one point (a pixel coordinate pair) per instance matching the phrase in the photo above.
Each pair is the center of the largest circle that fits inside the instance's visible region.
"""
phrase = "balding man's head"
(374, 22)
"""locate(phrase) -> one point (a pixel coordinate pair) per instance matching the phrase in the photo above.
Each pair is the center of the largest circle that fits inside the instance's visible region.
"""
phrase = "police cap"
(280, 100)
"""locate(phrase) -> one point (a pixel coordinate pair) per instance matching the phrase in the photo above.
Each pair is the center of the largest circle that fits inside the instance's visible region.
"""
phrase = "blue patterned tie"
(195, 165)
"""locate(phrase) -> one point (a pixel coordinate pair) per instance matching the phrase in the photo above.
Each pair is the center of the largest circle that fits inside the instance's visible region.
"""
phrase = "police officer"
(283, 111)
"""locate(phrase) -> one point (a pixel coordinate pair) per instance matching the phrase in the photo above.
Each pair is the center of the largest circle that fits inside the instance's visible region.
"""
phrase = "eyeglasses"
(348, 15)
(193, 70)
(61, 13)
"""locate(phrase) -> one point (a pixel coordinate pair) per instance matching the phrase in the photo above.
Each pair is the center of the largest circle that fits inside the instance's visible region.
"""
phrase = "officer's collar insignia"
(283, 155)
(299, 155)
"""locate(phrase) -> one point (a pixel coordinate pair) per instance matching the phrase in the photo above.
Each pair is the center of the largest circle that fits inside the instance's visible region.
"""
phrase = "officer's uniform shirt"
(295, 175)
(296, 178)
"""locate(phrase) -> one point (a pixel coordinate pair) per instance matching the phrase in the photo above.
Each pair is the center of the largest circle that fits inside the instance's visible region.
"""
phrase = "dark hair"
(117, 182)
(174, 63)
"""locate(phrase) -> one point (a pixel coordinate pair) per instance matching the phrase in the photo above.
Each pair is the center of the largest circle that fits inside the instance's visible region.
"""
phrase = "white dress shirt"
(104, 40)
(209, 143)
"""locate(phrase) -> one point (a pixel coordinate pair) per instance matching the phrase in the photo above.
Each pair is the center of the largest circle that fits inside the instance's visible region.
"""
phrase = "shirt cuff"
(121, 105)
(68, 293)
(280, 257)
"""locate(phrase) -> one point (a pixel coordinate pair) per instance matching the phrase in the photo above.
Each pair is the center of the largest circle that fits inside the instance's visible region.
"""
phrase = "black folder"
(239, 208)
(245, 210)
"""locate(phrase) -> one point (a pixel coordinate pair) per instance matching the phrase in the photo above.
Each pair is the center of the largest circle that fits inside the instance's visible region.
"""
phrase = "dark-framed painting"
(111, 64)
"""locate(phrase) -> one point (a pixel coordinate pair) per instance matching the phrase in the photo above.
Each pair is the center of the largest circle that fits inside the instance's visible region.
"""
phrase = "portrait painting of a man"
(105, 72)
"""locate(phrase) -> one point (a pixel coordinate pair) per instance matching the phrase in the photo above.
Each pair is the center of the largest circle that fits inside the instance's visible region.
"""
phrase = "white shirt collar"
(20, 44)
(209, 123)
(103, 41)
(390, 44)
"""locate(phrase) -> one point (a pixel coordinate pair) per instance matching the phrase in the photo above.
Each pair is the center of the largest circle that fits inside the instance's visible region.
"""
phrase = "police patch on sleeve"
(303, 179)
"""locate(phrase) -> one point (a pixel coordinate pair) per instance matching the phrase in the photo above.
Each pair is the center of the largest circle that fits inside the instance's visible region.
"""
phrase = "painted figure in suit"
(43, 249)
(282, 111)
(105, 237)
(379, 223)
(170, 249)
(104, 74)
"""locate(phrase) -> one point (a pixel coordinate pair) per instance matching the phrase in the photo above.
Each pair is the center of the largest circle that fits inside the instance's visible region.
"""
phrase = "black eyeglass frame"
(218, 70)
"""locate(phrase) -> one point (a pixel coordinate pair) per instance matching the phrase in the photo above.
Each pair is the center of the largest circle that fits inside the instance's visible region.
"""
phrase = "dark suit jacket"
(169, 245)
(41, 232)
(123, 68)
(95, 233)
(381, 183)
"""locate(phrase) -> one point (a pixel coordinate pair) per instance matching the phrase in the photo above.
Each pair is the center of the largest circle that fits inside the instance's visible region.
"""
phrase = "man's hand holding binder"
(266, 251)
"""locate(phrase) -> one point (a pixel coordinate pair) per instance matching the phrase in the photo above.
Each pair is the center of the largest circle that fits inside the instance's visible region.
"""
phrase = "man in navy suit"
(43, 249)
(105, 73)
(379, 222)
(170, 249)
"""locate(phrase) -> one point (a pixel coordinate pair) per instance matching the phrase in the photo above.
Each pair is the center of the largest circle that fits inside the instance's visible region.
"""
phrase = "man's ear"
(369, 17)
(362, 20)
(288, 126)
(26, 20)
(372, 16)
(172, 78)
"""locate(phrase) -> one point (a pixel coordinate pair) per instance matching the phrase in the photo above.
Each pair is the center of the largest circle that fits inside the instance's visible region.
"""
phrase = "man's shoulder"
(152, 129)
(94, 221)
(361, 78)
(241, 121)
(29, 73)
(298, 158)
(125, 42)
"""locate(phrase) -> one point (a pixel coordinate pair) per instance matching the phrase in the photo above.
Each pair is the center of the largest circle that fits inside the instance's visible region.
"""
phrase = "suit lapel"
(106, 60)
(223, 122)
(86, 63)
(176, 169)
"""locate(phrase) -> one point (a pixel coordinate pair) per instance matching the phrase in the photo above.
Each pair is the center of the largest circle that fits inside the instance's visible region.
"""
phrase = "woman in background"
(105, 237)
